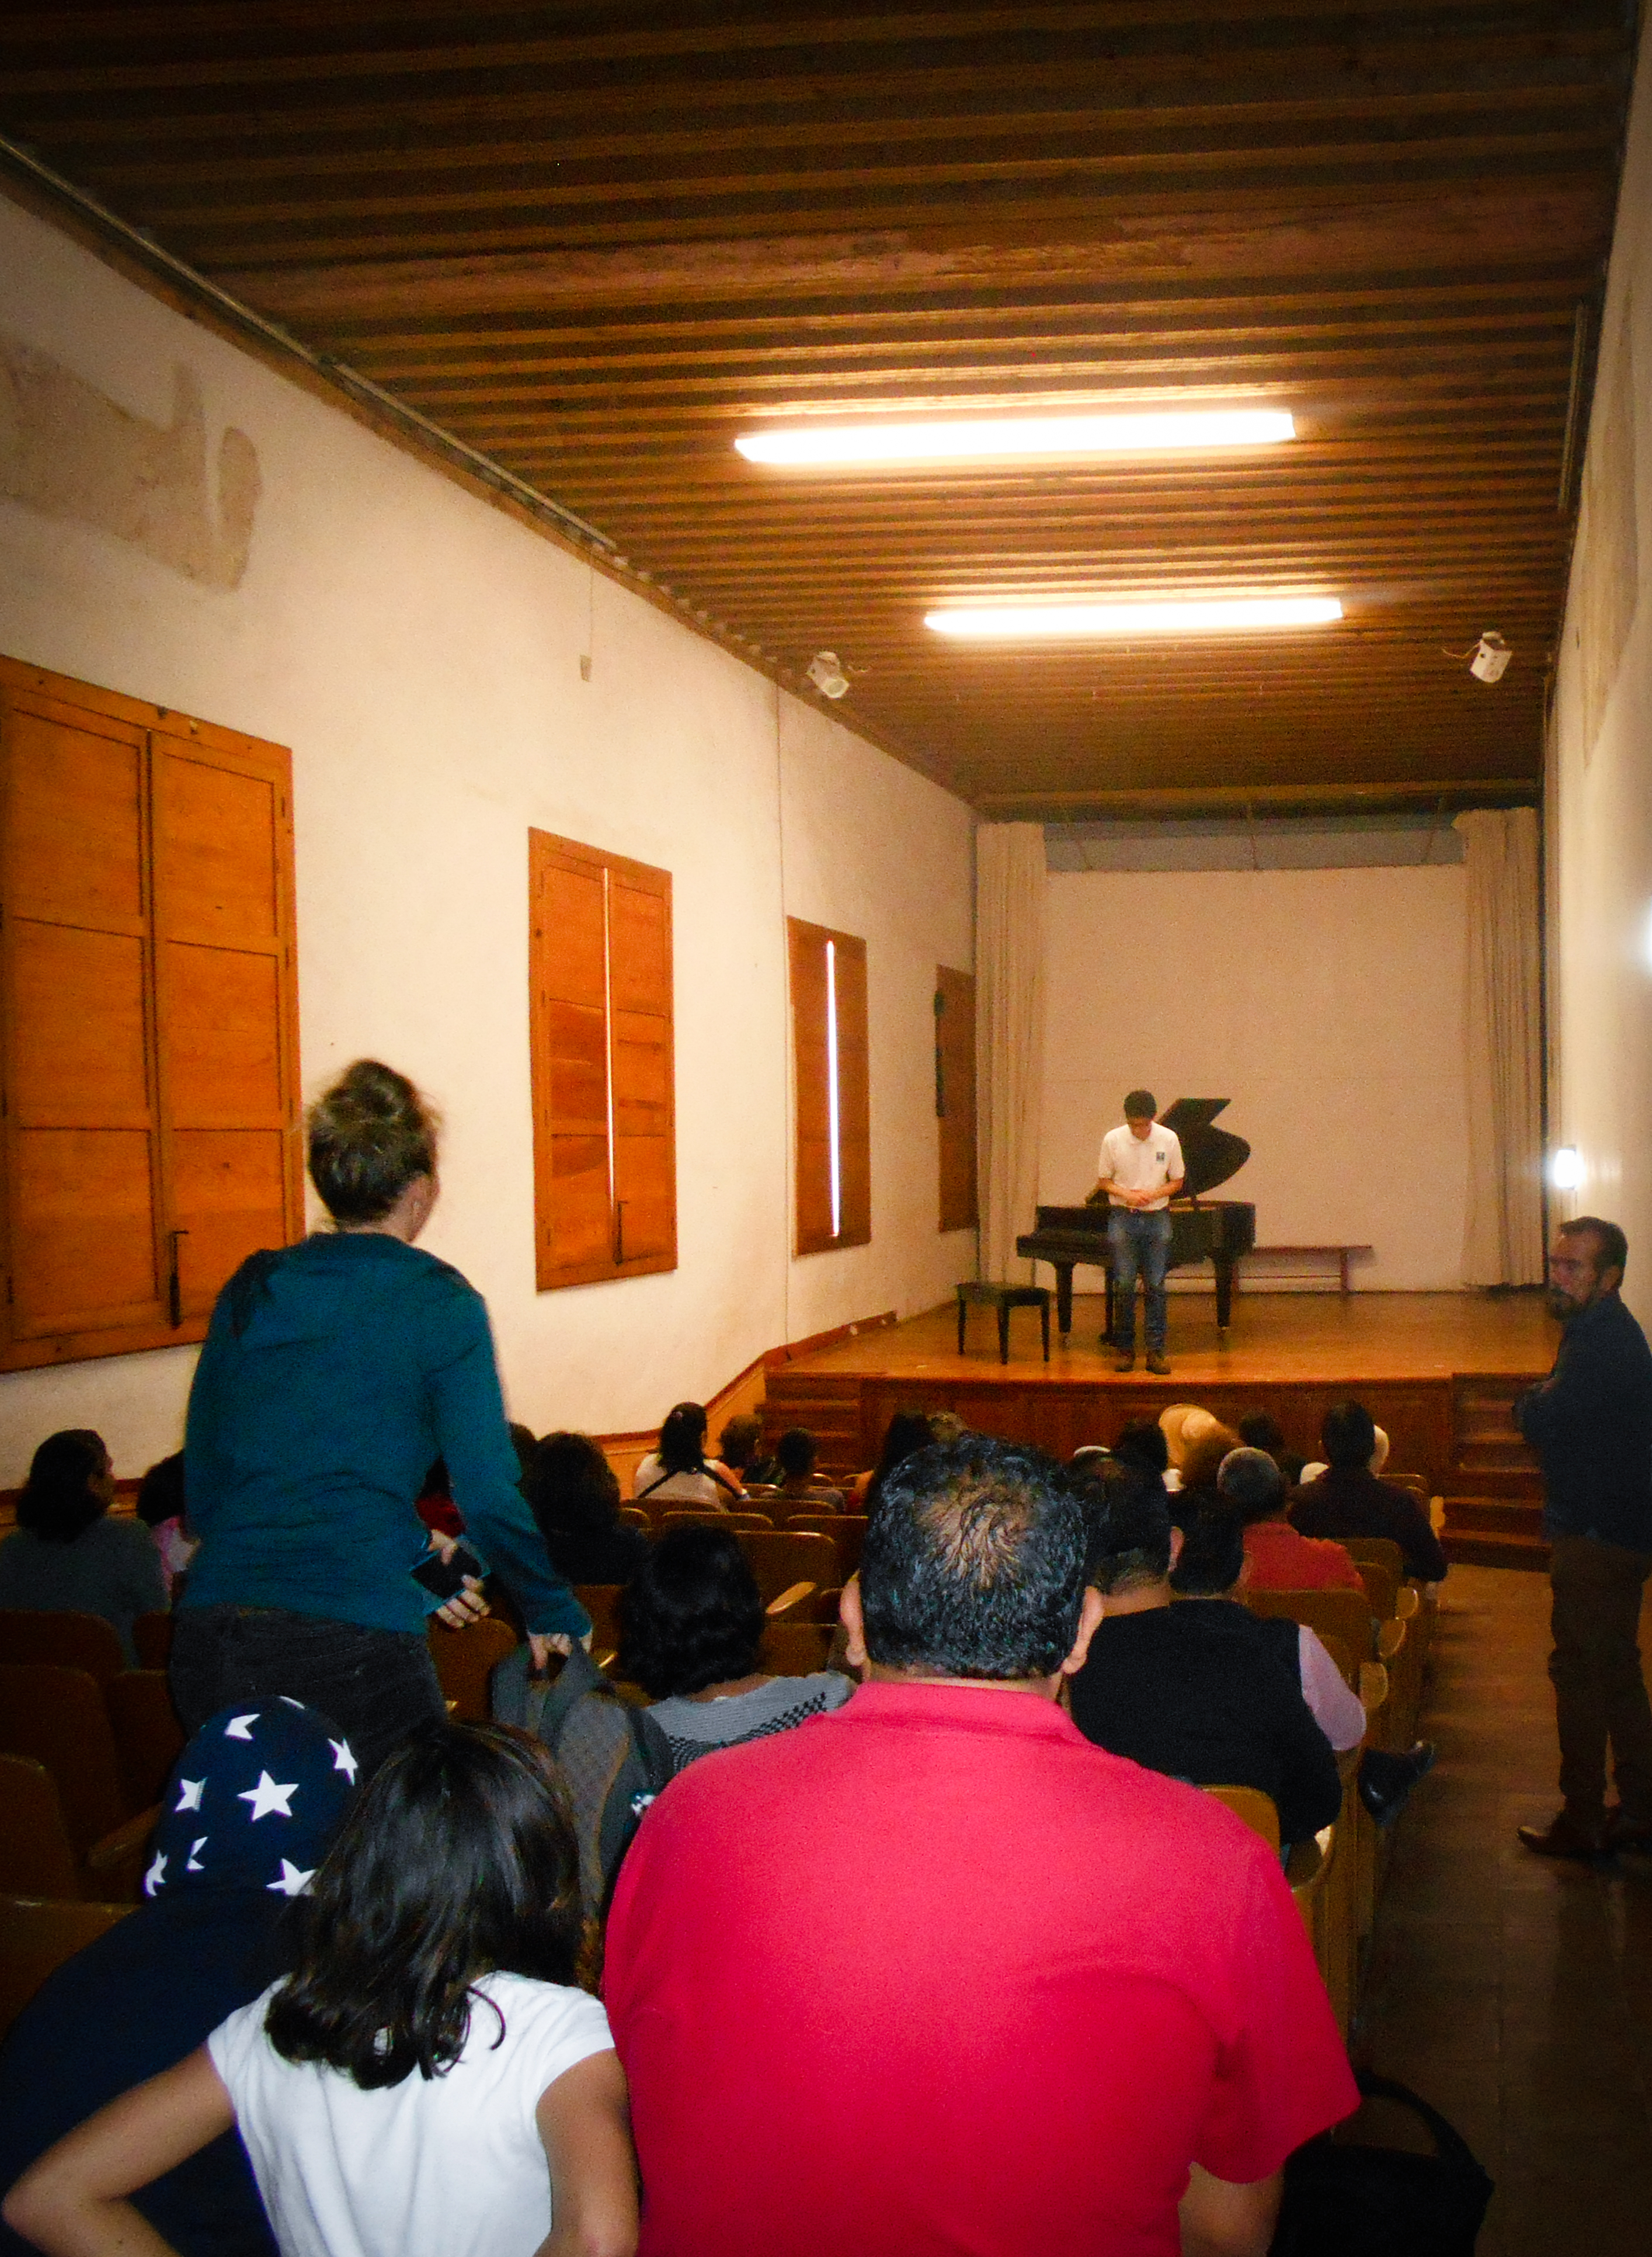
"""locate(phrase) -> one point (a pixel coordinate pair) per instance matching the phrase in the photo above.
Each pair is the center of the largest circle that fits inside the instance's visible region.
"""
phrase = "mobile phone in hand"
(444, 1579)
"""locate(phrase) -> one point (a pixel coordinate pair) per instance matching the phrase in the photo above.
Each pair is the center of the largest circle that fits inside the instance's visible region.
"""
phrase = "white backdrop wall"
(418, 651)
(1599, 797)
(1327, 1005)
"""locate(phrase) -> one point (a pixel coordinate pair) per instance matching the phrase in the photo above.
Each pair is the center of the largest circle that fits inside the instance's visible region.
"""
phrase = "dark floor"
(1515, 1993)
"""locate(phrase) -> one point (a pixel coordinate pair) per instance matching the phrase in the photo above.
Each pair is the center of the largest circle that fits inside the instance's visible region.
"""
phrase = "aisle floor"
(1515, 1993)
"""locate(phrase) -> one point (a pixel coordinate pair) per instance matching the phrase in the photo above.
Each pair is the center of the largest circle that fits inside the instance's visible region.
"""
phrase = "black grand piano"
(1201, 1229)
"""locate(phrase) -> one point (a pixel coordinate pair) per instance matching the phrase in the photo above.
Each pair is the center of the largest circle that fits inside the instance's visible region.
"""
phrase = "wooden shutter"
(604, 1074)
(148, 1029)
(812, 990)
(954, 1096)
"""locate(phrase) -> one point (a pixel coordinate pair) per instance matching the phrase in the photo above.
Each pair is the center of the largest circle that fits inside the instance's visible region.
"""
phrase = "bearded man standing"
(1591, 1423)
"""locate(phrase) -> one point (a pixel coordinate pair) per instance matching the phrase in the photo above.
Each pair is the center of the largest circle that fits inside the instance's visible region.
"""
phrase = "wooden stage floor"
(1434, 1369)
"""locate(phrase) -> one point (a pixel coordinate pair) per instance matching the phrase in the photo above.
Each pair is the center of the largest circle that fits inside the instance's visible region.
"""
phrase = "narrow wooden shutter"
(601, 1048)
(814, 990)
(811, 1104)
(82, 1131)
(854, 1092)
(954, 1096)
(222, 850)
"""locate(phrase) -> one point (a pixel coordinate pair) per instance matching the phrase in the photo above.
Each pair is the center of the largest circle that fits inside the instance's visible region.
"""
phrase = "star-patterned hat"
(254, 1802)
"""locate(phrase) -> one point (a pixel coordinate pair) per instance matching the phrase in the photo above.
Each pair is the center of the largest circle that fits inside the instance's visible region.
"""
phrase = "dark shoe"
(1565, 1838)
(1124, 1361)
(1159, 1365)
(1387, 1779)
(1632, 1833)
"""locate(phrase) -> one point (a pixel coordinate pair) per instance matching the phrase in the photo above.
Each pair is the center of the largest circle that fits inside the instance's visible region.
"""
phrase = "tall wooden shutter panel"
(854, 1093)
(954, 1096)
(601, 1043)
(812, 990)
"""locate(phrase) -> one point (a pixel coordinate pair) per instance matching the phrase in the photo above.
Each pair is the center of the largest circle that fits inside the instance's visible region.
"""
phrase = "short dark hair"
(681, 1446)
(371, 1135)
(160, 1493)
(458, 1859)
(1348, 1434)
(58, 1502)
(907, 1432)
(797, 1451)
(1201, 1458)
(1129, 1530)
(1141, 1105)
(570, 1485)
(740, 1443)
(974, 1563)
(691, 1615)
(1611, 1247)
(1251, 1484)
(1141, 1442)
(1212, 1553)
(1259, 1430)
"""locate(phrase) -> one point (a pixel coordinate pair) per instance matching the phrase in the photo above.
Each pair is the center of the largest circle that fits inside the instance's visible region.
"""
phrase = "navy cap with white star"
(254, 1802)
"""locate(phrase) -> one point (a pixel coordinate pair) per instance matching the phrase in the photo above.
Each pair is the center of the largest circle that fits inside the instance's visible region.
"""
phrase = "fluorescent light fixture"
(1178, 616)
(834, 1136)
(1170, 431)
(1565, 1169)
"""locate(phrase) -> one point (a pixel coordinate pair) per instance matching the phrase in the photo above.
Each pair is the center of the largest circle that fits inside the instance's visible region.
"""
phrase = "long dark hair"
(907, 1432)
(571, 1488)
(458, 1860)
(681, 1448)
(58, 1502)
(691, 1615)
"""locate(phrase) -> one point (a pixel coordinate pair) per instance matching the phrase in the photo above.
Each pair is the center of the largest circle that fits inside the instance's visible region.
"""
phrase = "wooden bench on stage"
(1342, 1256)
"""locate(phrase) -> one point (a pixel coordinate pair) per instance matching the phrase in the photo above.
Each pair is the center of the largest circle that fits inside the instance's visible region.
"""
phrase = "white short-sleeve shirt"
(451, 2166)
(1140, 1163)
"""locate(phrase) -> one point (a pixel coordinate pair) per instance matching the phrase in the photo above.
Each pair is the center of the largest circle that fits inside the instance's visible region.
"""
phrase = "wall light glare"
(1169, 432)
(1200, 615)
(1565, 1168)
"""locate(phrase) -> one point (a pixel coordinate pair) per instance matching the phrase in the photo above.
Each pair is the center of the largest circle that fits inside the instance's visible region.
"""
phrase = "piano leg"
(1063, 1296)
(1223, 1265)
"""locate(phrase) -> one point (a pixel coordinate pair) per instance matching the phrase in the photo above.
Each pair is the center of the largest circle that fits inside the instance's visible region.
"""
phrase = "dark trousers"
(1599, 1692)
(375, 1685)
(1138, 1241)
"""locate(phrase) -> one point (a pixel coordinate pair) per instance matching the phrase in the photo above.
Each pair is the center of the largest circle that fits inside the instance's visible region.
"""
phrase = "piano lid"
(1211, 1154)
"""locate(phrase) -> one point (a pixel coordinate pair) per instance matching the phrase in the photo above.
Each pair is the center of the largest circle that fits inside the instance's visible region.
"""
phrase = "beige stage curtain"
(1503, 1239)
(1009, 1036)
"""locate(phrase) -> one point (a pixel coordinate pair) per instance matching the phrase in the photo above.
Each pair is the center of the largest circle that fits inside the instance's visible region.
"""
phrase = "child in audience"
(573, 1493)
(796, 1451)
(429, 2082)
(160, 1507)
(677, 1471)
(66, 1556)
(740, 1448)
(690, 1634)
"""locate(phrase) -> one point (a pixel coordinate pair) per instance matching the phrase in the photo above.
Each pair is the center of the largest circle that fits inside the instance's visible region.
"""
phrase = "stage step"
(828, 1403)
(1494, 1532)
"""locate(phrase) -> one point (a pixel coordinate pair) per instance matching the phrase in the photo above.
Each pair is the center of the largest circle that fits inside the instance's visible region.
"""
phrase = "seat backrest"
(35, 1857)
(638, 1516)
(1257, 1809)
(1375, 1552)
(784, 1556)
(58, 1717)
(36, 1937)
(465, 1659)
(847, 1532)
(601, 1602)
(689, 1516)
(148, 1737)
(152, 1636)
(1382, 1587)
(72, 1641)
(1345, 1615)
(794, 1649)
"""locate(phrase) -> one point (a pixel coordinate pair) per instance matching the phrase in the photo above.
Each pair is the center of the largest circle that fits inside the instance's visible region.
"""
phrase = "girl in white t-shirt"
(430, 2082)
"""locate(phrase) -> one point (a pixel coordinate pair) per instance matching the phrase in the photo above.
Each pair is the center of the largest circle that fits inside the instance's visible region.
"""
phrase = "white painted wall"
(1326, 1004)
(1599, 798)
(419, 651)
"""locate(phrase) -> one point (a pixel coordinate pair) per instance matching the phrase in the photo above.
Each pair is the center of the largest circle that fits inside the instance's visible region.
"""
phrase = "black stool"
(1004, 1299)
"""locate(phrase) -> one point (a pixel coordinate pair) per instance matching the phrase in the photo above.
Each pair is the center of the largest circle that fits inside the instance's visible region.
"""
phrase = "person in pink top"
(935, 1974)
(1277, 1556)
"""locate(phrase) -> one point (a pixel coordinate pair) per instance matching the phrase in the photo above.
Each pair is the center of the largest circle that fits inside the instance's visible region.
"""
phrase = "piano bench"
(1004, 1299)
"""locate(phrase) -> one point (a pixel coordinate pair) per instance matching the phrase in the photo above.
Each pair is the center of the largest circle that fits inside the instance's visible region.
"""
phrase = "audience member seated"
(1260, 1432)
(796, 1452)
(907, 1432)
(430, 2079)
(66, 1556)
(1203, 1453)
(1202, 1690)
(1141, 1445)
(1348, 1499)
(1182, 1425)
(573, 1492)
(677, 1471)
(1278, 1556)
(740, 1448)
(160, 1507)
(952, 1976)
(690, 1628)
(215, 1928)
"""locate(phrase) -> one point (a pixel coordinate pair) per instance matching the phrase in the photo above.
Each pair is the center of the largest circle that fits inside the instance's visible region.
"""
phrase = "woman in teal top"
(334, 1372)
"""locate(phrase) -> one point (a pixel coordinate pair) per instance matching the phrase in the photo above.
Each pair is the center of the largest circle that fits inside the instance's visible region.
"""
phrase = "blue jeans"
(1138, 1241)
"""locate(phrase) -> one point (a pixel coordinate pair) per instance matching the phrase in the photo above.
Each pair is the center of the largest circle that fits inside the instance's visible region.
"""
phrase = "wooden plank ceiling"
(598, 241)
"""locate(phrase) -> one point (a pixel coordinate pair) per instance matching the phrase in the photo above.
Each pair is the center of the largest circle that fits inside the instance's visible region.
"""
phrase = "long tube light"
(1162, 432)
(834, 1140)
(1190, 616)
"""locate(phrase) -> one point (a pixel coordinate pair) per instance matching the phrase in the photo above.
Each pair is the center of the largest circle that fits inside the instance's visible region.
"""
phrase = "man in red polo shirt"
(935, 1975)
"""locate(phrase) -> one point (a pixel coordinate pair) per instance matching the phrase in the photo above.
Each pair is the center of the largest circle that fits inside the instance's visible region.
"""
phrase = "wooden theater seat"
(601, 1602)
(465, 1659)
(1376, 1552)
(1345, 1615)
(59, 1717)
(794, 1649)
(1258, 1810)
(148, 1737)
(152, 1636)
(709, 1516)
(36, 1936)
(37, 1858)
(71, 1641)
(847, 1532)
(782, 1558)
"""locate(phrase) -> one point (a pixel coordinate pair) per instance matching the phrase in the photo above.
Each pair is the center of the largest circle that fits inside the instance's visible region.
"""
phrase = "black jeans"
(375, 1685)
